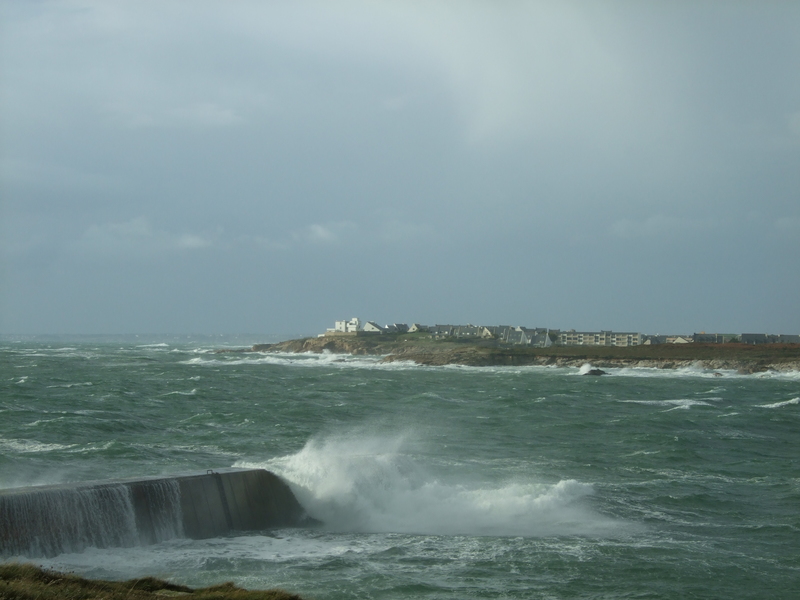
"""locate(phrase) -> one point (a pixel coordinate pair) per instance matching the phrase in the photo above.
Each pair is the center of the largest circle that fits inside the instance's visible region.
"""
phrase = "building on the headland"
(648, 340)
(765, 338)
(372, 327)
(713, 338)
(353, 326)
(723, 338)
(471, 331)
(754, 338)
(339, 327)
(599, 338)
(441, 331)
(460, 331)
(540, 337)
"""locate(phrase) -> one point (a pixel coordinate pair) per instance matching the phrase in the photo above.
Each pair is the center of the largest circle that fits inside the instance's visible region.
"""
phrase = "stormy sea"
(429, 482)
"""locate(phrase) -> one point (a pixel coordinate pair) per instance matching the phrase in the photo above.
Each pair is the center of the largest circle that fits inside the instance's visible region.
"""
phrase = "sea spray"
(585, 369)
(368, 484)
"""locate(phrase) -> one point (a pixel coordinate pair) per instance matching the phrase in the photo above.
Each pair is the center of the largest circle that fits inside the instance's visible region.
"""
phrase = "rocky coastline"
(25, 581)
(745, 359)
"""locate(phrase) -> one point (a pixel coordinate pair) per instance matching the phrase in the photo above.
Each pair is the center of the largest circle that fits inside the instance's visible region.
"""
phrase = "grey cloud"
(198, 114)
(259, 146)
(788, 225)
(395, 231)
(662, 226)
(22, 172)
(134, 239)
(325, 233)
(794, 123)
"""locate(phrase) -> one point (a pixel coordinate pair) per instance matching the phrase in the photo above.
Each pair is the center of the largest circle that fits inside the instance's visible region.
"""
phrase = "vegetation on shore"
(421, 348)
(28, 582)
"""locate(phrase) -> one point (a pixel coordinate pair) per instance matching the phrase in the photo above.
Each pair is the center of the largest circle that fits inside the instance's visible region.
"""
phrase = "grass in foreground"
(28, 582)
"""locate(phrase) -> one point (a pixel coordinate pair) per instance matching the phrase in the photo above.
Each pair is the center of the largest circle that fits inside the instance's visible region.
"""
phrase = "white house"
(350, 326)
(373, 327)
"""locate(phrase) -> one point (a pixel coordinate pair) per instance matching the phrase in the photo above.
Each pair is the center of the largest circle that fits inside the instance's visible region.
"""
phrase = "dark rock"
(595, 372)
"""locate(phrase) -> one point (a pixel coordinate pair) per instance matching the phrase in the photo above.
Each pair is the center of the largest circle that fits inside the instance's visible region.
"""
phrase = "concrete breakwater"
(50, 520)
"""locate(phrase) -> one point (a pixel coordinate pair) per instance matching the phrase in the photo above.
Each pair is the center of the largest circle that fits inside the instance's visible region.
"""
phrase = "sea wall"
(50, 520)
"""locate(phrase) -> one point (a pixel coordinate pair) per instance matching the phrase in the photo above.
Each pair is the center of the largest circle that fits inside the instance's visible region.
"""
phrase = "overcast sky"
(270, 167)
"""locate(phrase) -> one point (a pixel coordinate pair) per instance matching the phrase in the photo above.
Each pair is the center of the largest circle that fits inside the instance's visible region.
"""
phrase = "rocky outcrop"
(595, 372)
(338, 344)
(481, 359)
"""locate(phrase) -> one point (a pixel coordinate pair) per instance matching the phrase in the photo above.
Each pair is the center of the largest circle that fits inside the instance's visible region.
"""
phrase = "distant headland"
(516, 346)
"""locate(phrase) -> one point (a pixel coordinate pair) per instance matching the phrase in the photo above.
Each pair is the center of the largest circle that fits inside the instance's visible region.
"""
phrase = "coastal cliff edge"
(424, 350)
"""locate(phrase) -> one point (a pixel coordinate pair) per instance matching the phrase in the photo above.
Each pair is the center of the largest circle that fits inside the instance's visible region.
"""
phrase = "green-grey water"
(445, 482)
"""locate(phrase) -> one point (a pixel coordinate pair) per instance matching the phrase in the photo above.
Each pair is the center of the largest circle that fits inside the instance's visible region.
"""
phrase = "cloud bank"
(555, 164)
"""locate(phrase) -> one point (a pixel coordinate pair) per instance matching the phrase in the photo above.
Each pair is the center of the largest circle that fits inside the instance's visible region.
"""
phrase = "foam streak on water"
(431, 482)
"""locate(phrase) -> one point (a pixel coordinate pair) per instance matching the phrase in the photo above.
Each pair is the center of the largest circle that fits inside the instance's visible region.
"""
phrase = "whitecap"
(191, 392)
(679, 373)
(31, 446)
(71, 385)
(678, 403)
(781, 404)
(95, 447)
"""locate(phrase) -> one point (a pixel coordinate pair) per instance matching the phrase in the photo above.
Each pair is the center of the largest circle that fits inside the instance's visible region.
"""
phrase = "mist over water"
(429, 482)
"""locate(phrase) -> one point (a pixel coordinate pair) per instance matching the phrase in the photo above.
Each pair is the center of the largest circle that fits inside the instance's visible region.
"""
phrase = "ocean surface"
(431, 482)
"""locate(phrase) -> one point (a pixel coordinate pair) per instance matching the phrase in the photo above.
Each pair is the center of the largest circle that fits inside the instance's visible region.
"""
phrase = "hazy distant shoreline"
(425, 351)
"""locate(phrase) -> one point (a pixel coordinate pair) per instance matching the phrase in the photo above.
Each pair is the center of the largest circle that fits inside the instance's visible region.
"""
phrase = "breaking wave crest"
(781, 404)
(369, 485)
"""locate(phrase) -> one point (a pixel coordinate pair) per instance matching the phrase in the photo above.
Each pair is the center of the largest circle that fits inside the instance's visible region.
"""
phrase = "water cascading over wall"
(50, 520)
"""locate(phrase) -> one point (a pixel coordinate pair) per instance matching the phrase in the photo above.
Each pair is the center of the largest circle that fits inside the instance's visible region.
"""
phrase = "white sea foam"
(693, 371)
(347, 361)
(678, 403)
(716, 390)
(31, 446)
(325, 359)
(191, 392)
(192, 557)
(781, 404)
(71, 385)
(92, 447)
(367, 484)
